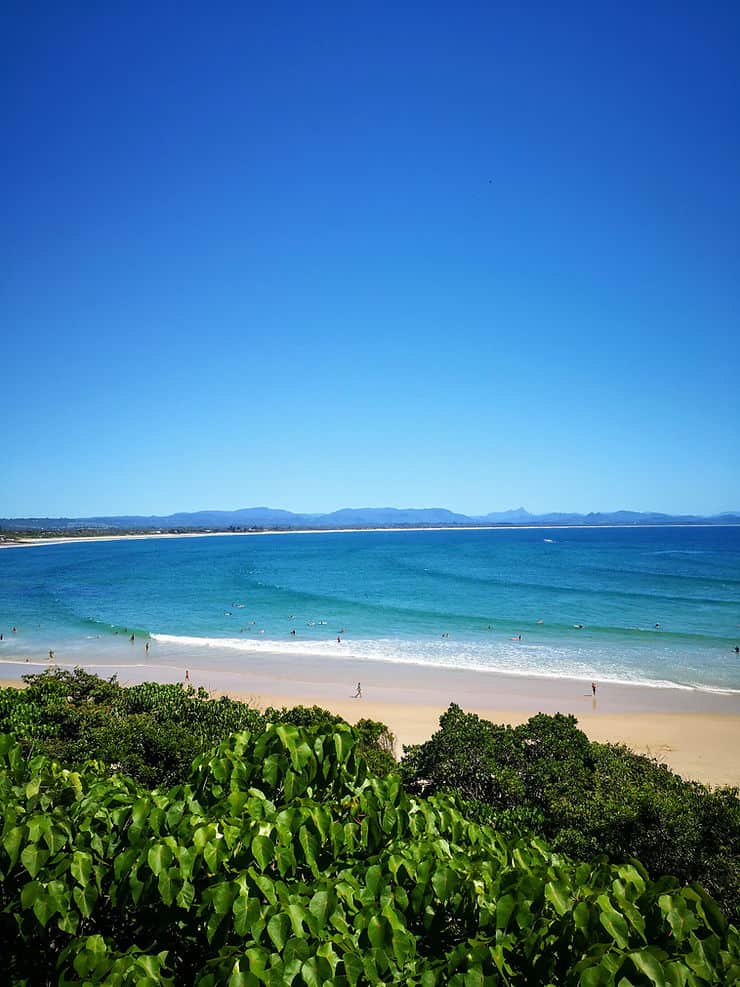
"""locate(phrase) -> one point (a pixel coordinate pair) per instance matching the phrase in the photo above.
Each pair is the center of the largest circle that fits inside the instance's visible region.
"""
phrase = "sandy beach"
(144, 536)
(695, 733)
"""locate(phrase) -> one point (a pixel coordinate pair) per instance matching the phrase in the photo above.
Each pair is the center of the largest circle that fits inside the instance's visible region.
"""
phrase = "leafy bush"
(376, 741)
(281, 860)
(150, 731)
(586, 798)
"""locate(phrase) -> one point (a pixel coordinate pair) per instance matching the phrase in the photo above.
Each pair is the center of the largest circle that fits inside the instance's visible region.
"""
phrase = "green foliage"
(282, 861)
(150, 731)
(586, 798)
(375, 739)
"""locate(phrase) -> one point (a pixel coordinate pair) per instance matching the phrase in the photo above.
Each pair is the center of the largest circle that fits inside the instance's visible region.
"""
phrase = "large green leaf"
(263, 850)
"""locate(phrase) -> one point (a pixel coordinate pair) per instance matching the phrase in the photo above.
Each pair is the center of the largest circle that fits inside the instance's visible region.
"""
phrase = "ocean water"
(654, 606)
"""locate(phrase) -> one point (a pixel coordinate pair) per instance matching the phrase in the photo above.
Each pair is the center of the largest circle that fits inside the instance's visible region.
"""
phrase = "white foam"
(520, 659)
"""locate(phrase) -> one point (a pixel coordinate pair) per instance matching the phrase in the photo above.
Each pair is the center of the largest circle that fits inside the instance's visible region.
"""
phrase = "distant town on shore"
(270, 519)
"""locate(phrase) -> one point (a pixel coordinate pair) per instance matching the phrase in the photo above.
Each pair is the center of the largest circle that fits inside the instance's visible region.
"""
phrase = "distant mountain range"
(363, 517)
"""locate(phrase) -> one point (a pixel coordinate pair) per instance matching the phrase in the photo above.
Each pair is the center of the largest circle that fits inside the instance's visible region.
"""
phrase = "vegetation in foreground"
(281, 857)
(586, 798)
(282, 861)
(151, 732)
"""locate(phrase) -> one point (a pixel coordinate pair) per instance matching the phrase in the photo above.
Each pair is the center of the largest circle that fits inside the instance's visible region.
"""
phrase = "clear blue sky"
(324, 255)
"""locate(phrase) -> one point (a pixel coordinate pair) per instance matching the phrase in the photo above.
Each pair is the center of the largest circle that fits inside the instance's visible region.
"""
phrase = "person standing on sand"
(593, 688)
(187, 675)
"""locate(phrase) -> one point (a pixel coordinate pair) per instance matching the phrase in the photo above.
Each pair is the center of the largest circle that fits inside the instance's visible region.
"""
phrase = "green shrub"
(150, 731)
(282, 861)
(588, 799)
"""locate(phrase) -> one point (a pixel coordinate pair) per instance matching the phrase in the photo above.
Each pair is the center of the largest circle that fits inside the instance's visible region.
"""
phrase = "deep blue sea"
(657, 606)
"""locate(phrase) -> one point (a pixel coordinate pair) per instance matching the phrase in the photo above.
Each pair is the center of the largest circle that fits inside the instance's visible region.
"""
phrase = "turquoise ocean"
(653, 606)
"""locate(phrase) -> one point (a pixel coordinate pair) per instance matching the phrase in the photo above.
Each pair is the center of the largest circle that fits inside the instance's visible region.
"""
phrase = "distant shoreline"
(146, 535)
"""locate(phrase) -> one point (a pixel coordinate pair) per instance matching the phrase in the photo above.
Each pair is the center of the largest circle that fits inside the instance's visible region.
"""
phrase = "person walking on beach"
(593, 688)
(358, 694)
(187, 675)
(146, 647)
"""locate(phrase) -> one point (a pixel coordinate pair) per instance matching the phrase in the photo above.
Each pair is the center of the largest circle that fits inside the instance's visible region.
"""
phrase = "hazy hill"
(368, 517)
(392, 516)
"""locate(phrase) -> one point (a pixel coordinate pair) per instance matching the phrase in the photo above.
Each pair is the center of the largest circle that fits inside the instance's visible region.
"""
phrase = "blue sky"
(313, 256)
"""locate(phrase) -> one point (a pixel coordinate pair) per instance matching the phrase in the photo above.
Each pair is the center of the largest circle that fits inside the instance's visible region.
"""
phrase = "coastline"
(697, 734)
(71, 539)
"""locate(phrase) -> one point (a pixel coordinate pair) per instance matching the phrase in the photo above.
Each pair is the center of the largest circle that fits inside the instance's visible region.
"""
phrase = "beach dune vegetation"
(292, 849)
(152, 731)
(585, 798)
(282, 859)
